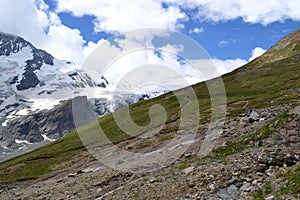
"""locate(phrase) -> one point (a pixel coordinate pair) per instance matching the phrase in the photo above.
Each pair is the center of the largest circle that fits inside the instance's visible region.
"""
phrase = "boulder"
(254, 116)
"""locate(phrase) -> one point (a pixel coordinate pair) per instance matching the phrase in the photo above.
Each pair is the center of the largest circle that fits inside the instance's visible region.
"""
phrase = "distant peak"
(12, 44)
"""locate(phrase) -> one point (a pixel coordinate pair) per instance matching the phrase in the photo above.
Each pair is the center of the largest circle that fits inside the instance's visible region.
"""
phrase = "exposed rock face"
(54, 124)
(103, 82)
(13, 44)
(29, 74)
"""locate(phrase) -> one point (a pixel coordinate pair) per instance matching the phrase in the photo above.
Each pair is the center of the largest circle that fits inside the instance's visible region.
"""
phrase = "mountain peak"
(11, 44)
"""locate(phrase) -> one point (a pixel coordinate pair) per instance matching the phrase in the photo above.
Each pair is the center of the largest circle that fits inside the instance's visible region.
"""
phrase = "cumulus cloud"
(192, 71)
(256, 52)
(116, 15)
(226, 66)
(42, 28)
(254, 11)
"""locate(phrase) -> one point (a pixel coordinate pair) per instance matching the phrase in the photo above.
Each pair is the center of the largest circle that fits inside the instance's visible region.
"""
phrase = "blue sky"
(222, 40)
(230, 31)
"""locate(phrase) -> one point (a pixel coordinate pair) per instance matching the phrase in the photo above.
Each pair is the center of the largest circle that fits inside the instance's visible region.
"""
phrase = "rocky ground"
(257, 157)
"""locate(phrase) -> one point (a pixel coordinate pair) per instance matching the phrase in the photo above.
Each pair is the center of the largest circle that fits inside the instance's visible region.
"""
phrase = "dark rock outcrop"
(13, 44)
(53, 123)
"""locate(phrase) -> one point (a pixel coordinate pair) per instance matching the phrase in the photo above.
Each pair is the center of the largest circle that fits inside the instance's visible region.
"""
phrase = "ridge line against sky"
(233, 32)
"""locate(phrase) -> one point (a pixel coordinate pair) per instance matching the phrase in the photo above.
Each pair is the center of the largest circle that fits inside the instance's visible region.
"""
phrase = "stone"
(292, 133)
(188, 170)
(232, 180)
(188, 196)
(296, 110)
(232, 190)
(262, 167)
(99, 190)
(254, 116)
(212, 187)
(282, 131)
(262, 119)
(244, 119)
(248, 112)
(255, 182)
(72, 175)
(270, 197)
(191, 184)
(152, 180)
(257, 144)
(291, 125)
(245, 187)
(248, 189)
(276, 137)
(187, 155)
(223, 194)
(293, 139)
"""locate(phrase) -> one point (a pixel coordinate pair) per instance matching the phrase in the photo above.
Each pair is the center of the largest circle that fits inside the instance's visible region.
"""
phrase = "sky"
(232, 32)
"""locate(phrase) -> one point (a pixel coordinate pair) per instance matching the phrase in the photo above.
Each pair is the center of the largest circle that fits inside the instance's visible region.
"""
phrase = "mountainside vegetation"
(269, 81)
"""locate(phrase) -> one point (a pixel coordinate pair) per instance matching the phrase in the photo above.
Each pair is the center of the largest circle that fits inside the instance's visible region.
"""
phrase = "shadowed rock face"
(54, 124)
(13, 44)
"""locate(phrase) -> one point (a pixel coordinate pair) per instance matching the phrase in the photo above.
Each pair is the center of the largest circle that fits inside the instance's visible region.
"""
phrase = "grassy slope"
(255, 85)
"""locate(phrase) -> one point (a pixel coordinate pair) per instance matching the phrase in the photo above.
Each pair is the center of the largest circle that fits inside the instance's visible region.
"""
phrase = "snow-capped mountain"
(35, 89)
(31, 79)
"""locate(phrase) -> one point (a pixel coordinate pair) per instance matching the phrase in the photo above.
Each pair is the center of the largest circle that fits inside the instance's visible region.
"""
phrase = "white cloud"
(226, 66)
(122, 16)
(45, 30)
(128, 60)
(31, 20)
(211, 68)
(256, 52)
(254, 11)
(65, 43)
(196, 30)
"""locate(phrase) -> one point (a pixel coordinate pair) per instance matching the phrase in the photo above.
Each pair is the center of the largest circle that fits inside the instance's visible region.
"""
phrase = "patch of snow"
(4, 123)
(41, 104)
(47, 138)
(22, 141)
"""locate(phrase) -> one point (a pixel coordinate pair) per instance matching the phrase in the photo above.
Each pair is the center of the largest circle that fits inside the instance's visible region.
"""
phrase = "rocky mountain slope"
(257, 155)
